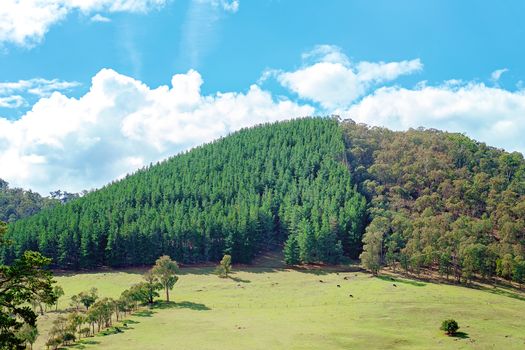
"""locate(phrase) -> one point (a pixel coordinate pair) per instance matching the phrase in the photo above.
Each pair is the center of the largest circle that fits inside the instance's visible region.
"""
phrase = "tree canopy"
(439, 200)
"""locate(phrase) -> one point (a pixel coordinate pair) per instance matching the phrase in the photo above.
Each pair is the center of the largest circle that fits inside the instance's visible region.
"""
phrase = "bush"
(225, 267)
(449, 326)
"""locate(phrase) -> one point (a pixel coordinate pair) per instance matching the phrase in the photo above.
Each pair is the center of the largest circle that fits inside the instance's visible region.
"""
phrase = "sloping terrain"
(238, 195)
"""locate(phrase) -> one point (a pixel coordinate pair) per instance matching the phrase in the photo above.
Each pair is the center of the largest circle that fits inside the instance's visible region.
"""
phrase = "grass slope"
(265, 308)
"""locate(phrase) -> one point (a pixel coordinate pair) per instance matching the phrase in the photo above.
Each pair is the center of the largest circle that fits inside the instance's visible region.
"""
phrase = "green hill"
(322, 188)
(238, 195)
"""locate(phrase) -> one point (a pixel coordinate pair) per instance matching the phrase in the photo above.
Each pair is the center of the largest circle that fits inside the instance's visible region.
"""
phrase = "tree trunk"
(167, 294)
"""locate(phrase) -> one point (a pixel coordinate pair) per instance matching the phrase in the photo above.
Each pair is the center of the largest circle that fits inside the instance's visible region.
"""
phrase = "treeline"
(239, 195)
(439, 200)
(16, 203)
(88, 310)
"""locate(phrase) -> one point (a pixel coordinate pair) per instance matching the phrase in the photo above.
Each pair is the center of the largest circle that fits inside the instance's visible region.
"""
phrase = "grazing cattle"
(346, 278)
(350, 295)
(394, 285)
(321, 281)
(338, 286)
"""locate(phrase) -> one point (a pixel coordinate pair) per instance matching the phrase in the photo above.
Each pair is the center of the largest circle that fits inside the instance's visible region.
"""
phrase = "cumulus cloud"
(490, 114)
(330, 79)
(25, 22)
(121, 124)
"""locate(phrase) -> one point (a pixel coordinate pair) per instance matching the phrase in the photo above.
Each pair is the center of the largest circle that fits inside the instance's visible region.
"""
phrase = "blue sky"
(91, 90)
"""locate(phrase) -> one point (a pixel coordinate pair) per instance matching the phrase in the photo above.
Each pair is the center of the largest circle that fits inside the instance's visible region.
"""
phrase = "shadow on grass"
(81, 344)
(240, 280)
(399, 280)
(161, 305)
(320, 270)
(129, 321)
(460, 335)
(504, 292)
(144, 313)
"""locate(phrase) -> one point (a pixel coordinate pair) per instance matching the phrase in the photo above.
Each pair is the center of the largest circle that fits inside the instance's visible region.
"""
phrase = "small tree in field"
(166, 270)
(88, 298)
(59, 292)
(225, 266)
(449, 326)
(148, 288)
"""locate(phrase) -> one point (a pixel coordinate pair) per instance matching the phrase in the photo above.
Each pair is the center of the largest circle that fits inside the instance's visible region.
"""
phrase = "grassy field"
(265, 308)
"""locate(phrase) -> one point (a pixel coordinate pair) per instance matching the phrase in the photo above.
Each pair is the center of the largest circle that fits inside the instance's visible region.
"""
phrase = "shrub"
(449, 326)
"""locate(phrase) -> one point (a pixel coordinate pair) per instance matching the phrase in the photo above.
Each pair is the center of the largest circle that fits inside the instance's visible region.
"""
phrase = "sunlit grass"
(287, 309)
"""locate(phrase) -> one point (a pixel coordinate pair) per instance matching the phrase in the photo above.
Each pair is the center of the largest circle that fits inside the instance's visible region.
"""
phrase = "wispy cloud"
(37, 86)
(130, 54)
(201, 27)
(99, 18)
(496, 75)
(11, 93)
(14, 101)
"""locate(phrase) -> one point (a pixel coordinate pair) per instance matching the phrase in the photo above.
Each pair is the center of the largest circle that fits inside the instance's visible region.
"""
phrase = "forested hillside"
(238, 195)
(16, 203)
(440, 200)
(428, 199)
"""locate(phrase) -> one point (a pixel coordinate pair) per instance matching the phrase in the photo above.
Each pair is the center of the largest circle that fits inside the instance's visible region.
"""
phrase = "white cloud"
(10, 92)
(227, 5)
(122, 124)
(496, 75)
(99, 18)
(489, 114)
(14, 101)
(25, 22)
(325, 53)
(37, 86)
(333, 81)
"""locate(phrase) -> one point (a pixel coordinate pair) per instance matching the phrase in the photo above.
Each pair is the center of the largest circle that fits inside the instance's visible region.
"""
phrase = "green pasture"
(265, 308)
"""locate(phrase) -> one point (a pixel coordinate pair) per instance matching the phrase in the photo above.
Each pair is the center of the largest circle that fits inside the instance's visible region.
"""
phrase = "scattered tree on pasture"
(449, 326)
(58, 291)
(166, 271)
(225, 266)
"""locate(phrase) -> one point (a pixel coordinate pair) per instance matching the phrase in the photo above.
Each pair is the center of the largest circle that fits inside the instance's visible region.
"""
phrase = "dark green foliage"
(291, 250)
(15, 203)
(21, 282)
(449, 326)
(238, 196)
(88, 298)
(225, 266)
(446, 202)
